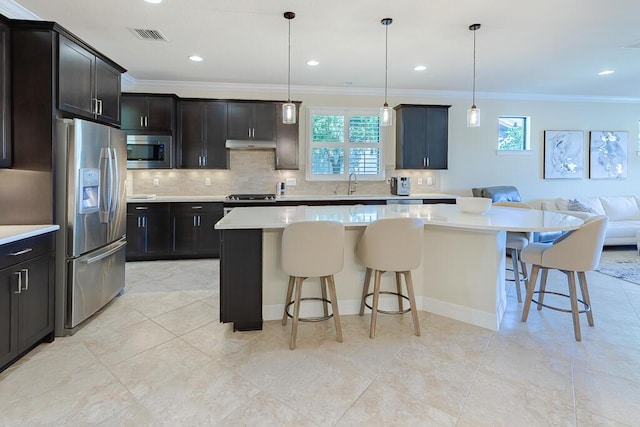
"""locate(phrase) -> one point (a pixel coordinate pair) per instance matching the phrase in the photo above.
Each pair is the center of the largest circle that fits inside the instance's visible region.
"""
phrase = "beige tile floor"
(158, 356)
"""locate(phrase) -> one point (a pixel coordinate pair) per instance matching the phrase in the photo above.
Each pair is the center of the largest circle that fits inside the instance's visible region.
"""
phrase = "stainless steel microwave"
(149, 151)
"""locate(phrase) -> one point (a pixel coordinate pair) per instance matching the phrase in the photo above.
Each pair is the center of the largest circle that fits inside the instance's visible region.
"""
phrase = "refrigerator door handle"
(115, 179)
(105, 198)
(110, 202)
(104, 254)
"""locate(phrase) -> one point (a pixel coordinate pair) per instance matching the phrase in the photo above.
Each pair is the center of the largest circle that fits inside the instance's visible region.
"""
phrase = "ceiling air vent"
(148, 34)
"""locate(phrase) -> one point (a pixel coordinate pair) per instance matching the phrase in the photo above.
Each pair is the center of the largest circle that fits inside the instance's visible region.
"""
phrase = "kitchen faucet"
(355, 181)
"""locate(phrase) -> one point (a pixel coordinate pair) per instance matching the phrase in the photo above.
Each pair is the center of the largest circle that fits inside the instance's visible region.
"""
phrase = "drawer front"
(142, 208)
(25, 249)
(192, 207)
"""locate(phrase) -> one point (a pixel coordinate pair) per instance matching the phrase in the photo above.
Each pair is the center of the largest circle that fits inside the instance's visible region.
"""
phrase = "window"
(513, 133)
(344, 141)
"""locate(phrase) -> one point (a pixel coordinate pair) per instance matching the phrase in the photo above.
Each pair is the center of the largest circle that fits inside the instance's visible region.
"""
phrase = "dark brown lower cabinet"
(148, 232)
(26, 296)
(192, 229)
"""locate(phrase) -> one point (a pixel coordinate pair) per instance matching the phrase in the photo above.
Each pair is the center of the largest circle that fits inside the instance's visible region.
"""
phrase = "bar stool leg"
(323, 286)
(412, 301)
(543, 287)
(530, 288)
(516, 273)
(574, 304)
(374, 306)
(288, 300)
(399, 290)
(365, 289)
(296, 313)
(582, 278)
(334, 306)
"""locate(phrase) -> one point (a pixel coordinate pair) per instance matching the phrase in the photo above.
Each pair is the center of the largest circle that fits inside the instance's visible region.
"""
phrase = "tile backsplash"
(254, 172)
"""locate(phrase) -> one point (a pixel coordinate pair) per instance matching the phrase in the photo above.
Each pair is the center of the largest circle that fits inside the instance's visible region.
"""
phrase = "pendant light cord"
(473, 102)
(386, 60)
(289, 68)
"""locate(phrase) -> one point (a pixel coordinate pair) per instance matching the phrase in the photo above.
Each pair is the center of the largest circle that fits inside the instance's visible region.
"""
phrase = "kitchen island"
(461, 276)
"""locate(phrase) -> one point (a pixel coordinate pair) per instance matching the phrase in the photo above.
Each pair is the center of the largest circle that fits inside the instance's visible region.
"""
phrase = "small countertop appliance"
(400, 185)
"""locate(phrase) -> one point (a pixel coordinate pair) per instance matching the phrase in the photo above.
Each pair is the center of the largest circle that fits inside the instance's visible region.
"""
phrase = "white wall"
(473, 158)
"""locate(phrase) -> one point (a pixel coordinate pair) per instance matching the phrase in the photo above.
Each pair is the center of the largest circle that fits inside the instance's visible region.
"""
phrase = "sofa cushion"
(622, 229)
(578, 206)
(621, 208)
(590, 202)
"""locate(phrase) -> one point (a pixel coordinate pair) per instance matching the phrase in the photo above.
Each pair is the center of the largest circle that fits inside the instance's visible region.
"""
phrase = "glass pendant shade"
(289, 113)
(386, 115)
(473, 117)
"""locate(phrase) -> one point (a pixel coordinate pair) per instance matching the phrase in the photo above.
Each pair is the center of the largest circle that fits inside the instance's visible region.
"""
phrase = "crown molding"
(13, 10)
(172, 85)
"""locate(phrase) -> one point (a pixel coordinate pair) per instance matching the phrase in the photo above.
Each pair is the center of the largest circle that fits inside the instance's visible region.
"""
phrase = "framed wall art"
(608, 154)
(564, 154)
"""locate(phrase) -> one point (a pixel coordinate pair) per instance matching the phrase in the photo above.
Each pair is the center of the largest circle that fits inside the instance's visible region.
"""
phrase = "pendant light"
(386, 112)
(473, 113)
(289, 108)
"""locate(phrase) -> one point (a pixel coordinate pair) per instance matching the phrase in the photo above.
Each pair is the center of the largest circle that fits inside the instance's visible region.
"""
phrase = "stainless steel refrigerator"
(90, 194)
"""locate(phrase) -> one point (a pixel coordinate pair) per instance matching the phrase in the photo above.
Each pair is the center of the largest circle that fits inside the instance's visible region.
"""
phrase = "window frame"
(526, 135)
(347, 112)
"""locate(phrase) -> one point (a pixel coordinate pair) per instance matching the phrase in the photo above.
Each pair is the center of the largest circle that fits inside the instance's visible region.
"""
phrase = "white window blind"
(344, 141)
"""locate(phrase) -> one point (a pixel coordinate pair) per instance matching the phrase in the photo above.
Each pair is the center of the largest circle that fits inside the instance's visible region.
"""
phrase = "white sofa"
(623, 213)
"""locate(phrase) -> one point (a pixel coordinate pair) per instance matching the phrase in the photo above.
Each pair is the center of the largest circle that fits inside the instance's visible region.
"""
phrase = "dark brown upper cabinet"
(5, 97)
(202, 133)
(251, 120)
(88, 86)
(422, 136)
(148, 112)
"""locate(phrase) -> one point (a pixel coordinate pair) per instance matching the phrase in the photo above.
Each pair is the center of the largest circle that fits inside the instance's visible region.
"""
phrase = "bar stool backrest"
(313, 248)
(392, 244)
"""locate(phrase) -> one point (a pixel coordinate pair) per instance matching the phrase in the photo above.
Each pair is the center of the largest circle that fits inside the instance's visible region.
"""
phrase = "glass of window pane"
(364, 161)
(364, 129)
(327, 161)
(511, 133)
(327, 128)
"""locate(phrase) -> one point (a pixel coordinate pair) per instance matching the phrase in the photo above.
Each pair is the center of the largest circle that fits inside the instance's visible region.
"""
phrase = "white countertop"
(13, 233)
(149, 198)
(498, 218)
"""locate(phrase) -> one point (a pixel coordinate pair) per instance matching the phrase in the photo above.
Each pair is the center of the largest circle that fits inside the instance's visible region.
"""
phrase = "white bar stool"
(312, 249)
(391, 244)
(574, 252)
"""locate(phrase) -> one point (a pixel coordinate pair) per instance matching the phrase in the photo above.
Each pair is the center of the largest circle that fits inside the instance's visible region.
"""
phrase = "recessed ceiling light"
(419, 68)
(606, 72)
(153, 1)
(196, 58)
(312, 62)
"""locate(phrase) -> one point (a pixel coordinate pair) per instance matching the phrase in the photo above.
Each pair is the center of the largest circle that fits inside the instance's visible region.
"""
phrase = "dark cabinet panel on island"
(26, 296)
(422, 136)
(202, 133)
(148, 112)
(5, 96)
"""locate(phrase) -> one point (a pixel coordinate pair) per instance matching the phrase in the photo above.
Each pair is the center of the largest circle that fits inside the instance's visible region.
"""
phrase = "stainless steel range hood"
(249, 144)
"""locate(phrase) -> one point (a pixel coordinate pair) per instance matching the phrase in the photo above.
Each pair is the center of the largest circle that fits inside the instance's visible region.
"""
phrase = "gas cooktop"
(252, 197)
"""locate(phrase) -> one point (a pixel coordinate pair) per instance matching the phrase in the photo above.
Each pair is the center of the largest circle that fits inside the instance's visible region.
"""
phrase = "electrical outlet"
(291, 182)
(156, 182)
(207, 182)
(429, 180)
(419, 181)
(389, 181)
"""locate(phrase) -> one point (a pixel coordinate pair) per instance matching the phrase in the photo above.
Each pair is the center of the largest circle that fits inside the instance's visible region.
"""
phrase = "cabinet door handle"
(146, 121)
(249, 132)
(26, 279)
(424, 162)
(277, 160)
(19, 274)
(427, 162)
(141, 121)
(199, 220)
(142, 208)
(195, 220)
(99, 107)
(253, 132)
(196, 207)
(22, 252)
(144, 222)
(94, 105)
